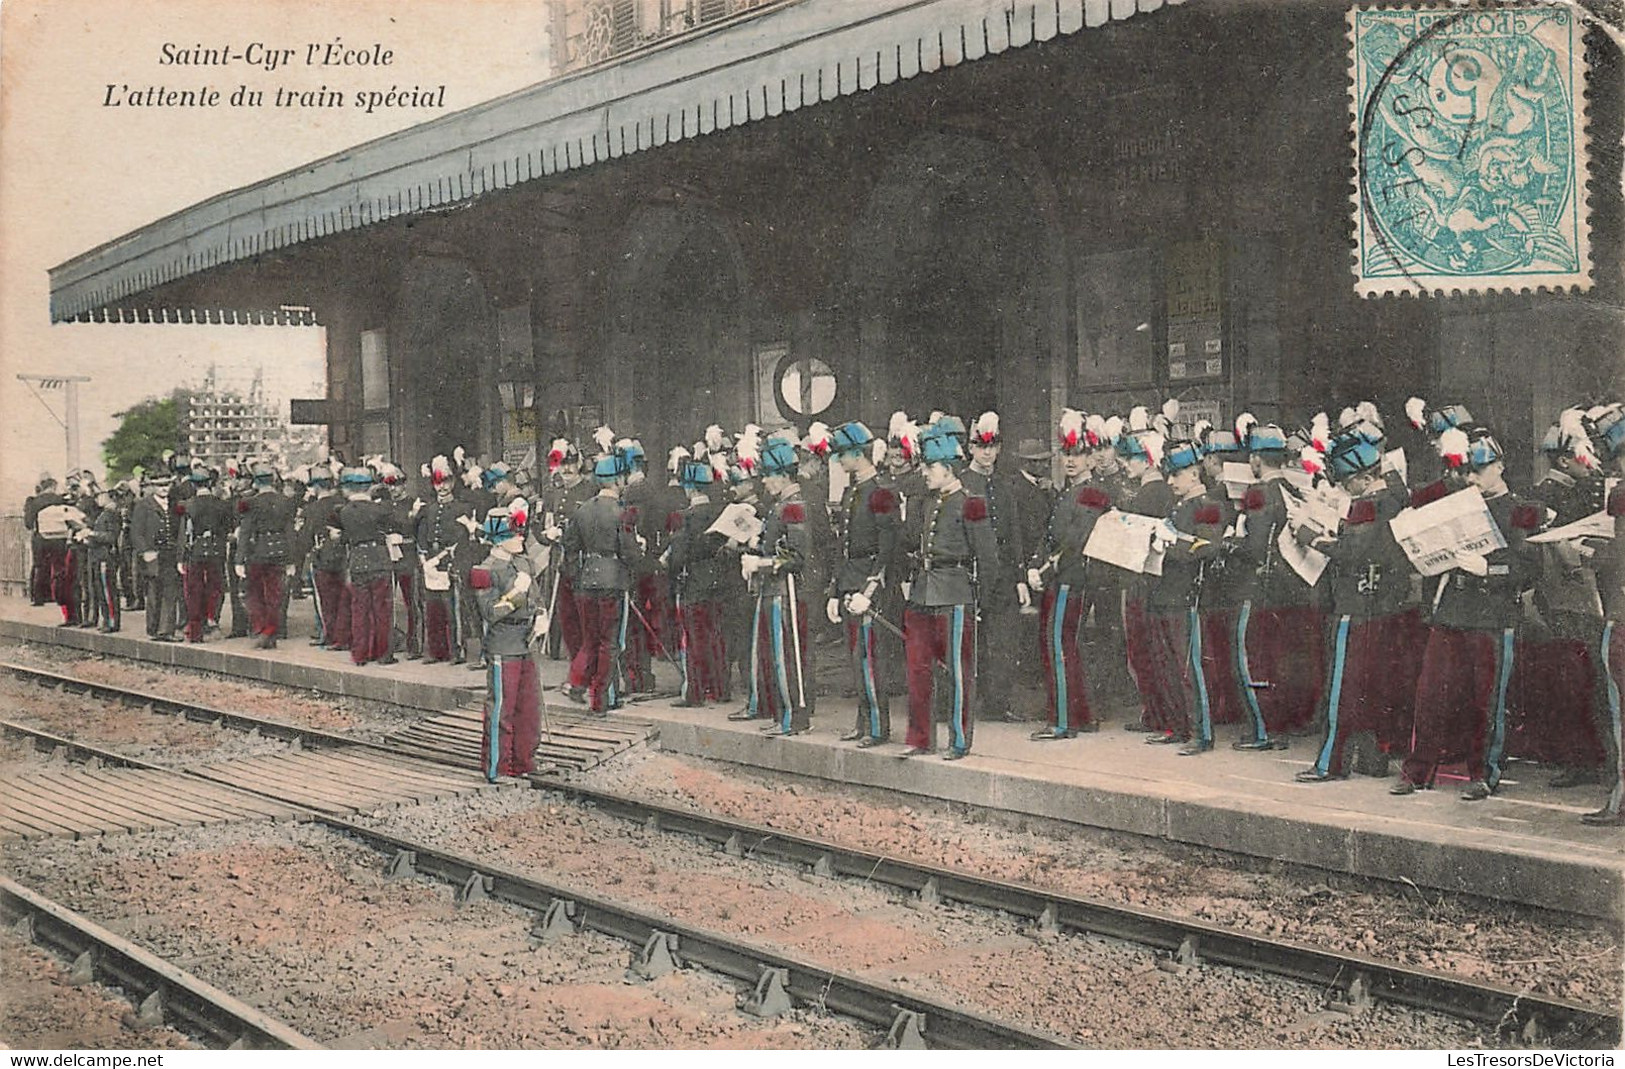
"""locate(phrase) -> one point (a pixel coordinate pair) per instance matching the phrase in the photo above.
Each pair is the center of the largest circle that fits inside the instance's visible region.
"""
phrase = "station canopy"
(774, 60)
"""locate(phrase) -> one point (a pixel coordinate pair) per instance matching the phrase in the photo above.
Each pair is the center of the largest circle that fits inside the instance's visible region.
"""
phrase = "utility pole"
(69, 421)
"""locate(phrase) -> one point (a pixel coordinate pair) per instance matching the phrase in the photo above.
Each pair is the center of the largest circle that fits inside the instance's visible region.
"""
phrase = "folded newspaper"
(1308, 563)
(1124, 539)
(1437, 534)
(738, 522)
(1597, 525)
(1237, 478)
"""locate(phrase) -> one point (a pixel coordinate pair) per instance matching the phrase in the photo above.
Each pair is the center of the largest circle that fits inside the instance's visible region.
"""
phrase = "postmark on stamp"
(1470, 149)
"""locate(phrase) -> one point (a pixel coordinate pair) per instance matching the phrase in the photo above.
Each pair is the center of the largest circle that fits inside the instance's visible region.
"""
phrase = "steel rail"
(160, 989)
(1356, 977)
(905, 1012)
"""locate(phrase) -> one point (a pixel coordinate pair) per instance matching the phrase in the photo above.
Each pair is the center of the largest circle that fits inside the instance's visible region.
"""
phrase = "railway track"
(1354, 980)
(777, 981)
(162, 992)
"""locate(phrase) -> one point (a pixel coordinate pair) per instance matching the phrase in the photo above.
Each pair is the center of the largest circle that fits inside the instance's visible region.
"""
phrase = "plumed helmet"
(440, 472)
(903, 436)
(850, 437)
(985, 431)
(497, 472)
(1351, 453)
(1482, 448)
(693, 474)
(356, 477)
(1608, 429)
(561, 452)
(611, 466)
(1072, 433)
(499, 526)
(262, 473)
(390, 474)
(778, 457)
(817, 442)
(1266, 438)
(943, 442)
(1179, 454)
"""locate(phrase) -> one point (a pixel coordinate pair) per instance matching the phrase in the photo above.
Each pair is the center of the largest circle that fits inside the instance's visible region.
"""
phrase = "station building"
(728, 211)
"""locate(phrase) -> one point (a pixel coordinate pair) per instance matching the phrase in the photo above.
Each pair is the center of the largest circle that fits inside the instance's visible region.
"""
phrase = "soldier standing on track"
(781, 657)
(1371, 683)
(1060, 572)
(208, 522)
(362, 526)
(868, 530)
(1461, 696)
(508, 595)
(694, 561)
(956, 545)
(265, 548)
(155, 539)
(603, 538)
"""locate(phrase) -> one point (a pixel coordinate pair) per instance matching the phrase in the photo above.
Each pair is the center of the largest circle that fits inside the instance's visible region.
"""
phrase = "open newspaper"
(1124, 539)
(1437, 534)
(738, 522)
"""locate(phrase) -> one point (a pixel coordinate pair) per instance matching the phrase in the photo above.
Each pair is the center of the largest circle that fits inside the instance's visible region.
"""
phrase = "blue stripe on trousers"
(1056, 657)
(780, 678)
(494, 717)
(1334, 696)
(1498, 710)
(1204, 727)
(755, 663)
(1245, 674)
(865, 633)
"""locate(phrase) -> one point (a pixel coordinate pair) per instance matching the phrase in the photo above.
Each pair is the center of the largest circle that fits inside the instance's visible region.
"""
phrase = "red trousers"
(1179, 691)
(781, 685)
(1554, 686)
(946, 636)
(371, 618)
(1219, 665)
(332, 610)
(1279, 666)
(705, 661)
(437, 625)
(512, 722)
(265, 598)
(1370, 685)
(874, 708)
(200, 585)
(106, 594)
(567, 618)
(1137, 647)
(1061, 611)
(641, 646)
(596, 664)
(58, 567)
(1461, 704)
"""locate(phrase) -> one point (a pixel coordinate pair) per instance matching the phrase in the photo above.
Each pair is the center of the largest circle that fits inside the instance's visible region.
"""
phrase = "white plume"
(605, 438)
(1244, 426)
(1416, 412)
(1367, 410)
(1139, 419)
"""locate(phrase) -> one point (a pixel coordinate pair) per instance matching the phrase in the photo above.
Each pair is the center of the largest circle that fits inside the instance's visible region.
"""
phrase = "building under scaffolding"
(221, 423)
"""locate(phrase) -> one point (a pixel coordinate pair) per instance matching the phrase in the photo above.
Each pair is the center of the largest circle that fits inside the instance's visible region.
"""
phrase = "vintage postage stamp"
(1470, 149)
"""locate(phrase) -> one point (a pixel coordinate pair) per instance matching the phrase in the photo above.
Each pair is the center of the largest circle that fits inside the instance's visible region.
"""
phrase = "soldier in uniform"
(1461, 695)
(207, 528)
(781, 690)
(1608, 557)
(265, 551)
(102, 539)
(1371, 682)
(733, 593)
(568, 490)
(867, 527)
(404, 506)
(604, 540)
(900, 455)
(237, 488)
(956, 545)
(155, 539)
(363, 526)
(645, 604)
(1221, 583)
(998, 650)
(1278, 629)
(1553, 683)
(1063, 576)
(440, 539)
(42, 556)
(325, 553)
(1146, 494)
(508, 594)
(694, 562)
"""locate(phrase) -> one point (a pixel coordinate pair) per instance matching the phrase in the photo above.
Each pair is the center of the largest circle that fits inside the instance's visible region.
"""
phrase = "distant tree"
(145, 431)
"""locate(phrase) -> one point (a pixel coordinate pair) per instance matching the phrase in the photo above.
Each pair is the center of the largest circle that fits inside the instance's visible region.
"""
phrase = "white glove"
(242, 571)
(1024, 596)
(1035, 580)
(149, 556)
(1162, 537)
(832, 609)
(749, 563)
(180, 569)
(643, 544)
(1473, 564)
(288, 571)
(553, 534)
(905, 586)
(417, 507)
(858, 603)
(521, 583)
(539, 627)
(394, 539)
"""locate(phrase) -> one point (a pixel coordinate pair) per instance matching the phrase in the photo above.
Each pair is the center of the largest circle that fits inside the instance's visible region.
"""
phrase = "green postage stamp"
(1470, 149)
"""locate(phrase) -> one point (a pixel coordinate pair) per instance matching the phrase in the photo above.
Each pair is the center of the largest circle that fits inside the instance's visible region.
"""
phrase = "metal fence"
(14, 556)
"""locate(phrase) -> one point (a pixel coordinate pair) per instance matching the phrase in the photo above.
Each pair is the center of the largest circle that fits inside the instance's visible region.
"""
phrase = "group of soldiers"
(1198, 575)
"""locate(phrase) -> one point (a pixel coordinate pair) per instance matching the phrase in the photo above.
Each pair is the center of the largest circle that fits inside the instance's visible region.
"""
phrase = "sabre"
(653, 634)
(795, 639)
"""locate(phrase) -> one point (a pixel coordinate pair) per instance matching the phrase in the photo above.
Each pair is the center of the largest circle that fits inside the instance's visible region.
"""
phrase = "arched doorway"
(957, 282)
(679, 338)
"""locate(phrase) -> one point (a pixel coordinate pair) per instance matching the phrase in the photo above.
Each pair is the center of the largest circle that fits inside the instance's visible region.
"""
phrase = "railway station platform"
(1525, 845)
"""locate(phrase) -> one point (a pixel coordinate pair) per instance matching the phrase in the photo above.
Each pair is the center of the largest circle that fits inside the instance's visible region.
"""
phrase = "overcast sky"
(78, 173)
